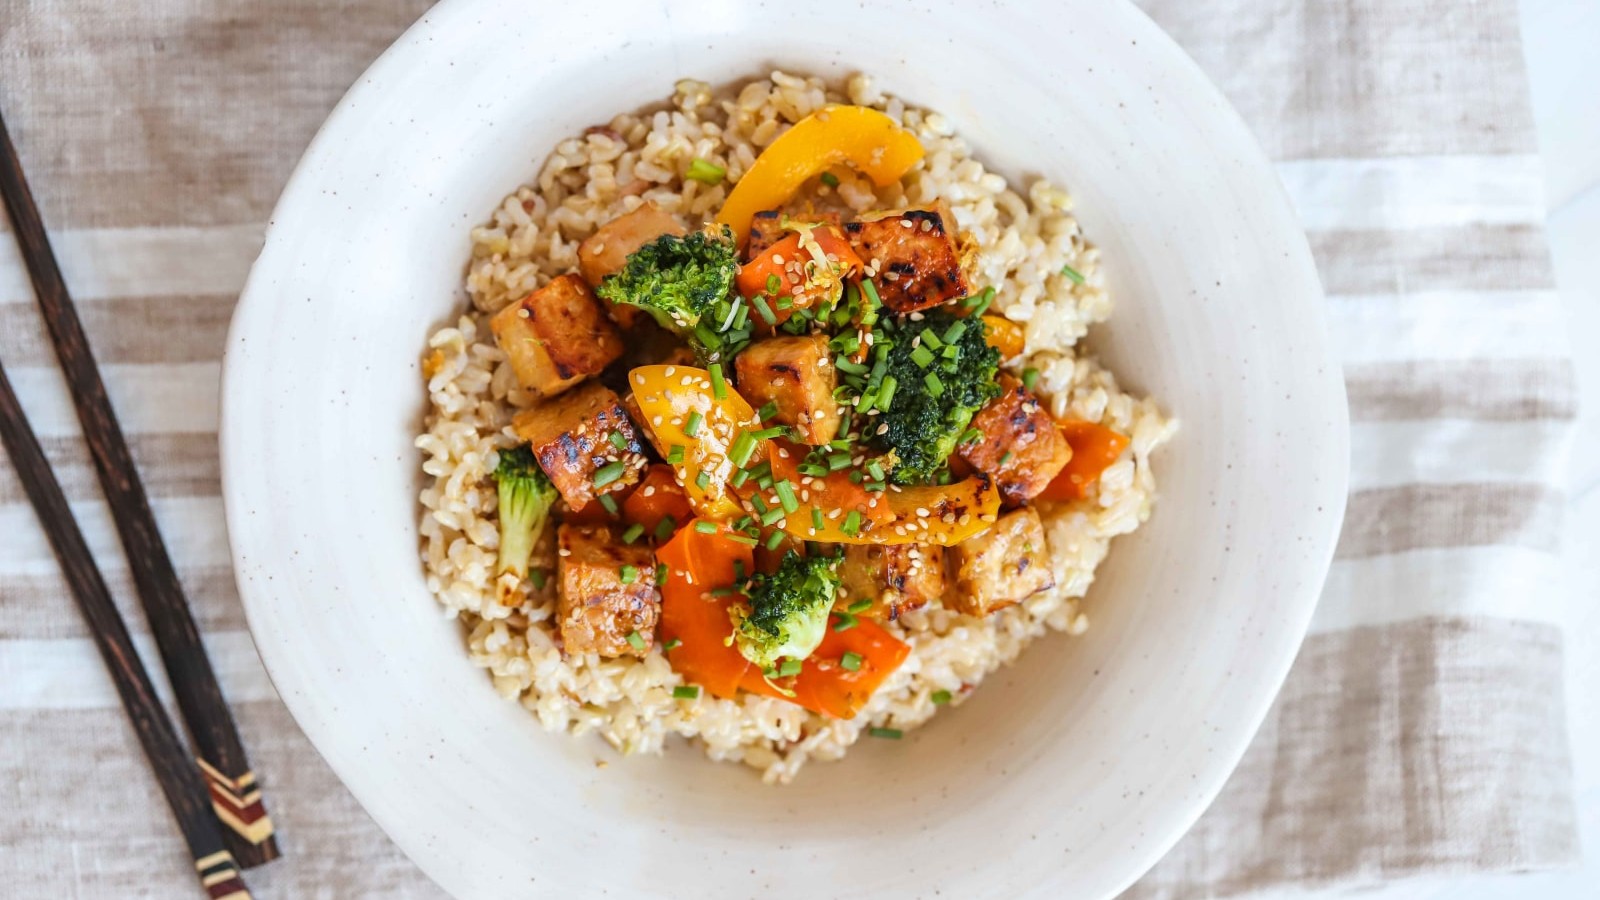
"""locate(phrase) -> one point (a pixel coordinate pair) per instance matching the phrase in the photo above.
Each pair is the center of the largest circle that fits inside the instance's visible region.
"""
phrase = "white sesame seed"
(777, 259)
(670, 370)
(883, 428)
(563, 552)
(638, 379)
(907, 223)
(965, 518)
(916, 317)
(656, 421)
(648, 492)
(922, 512)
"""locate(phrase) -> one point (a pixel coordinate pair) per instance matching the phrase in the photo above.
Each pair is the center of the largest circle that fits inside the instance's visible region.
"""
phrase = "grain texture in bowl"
(1030, 248)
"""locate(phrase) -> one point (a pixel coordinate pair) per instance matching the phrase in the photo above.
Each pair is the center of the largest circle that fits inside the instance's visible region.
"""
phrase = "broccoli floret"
(788, 614)
(937, 389)
(526, 495)
(680, 281)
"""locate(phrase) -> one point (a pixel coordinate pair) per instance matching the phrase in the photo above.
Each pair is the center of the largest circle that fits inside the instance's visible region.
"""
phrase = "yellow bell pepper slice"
(1004, 335)
(865, 138)
(681, 410)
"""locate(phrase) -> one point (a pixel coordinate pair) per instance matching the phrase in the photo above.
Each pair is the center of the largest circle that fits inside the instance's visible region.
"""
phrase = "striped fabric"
(1422, 729)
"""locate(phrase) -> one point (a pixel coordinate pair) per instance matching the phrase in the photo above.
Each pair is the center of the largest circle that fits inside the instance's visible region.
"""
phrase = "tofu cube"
(1002, 566)
(557, 336)
(915, 255)
(571, 437)
(796, 374)
(606, 251)
(895, 577)
(766, 229)
(606, 592)
(1021, 445)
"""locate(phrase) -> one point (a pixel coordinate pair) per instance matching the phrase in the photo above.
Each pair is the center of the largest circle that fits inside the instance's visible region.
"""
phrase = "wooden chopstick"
(181, 783)
(236, 798)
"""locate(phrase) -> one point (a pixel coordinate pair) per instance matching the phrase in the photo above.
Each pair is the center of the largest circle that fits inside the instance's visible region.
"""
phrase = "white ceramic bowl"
(1067, 775)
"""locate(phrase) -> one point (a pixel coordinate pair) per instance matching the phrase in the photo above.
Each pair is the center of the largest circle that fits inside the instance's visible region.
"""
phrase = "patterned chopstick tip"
(220, 877)
(237, 803)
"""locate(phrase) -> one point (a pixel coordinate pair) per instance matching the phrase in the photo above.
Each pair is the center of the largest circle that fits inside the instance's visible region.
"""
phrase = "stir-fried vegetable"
(842, 674)
(801, 271)
(864, 138)
(525, 497)
(944, 372)
(658, 505)
(788, 610)
(1094, 448)
(680, 281)
(702, 565)
(1004, 335)
(705, 438)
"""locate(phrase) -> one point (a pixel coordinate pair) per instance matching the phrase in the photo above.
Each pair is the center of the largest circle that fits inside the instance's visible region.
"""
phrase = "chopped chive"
(634, 532)
(664, 528)
(740, 316)
(539, 579)
(816, 518)
(763, 310)
(830, 179)
(774, 539)
(772, 515)
(955, 331)
(738, 569)
(744, 446)
(790, 666)
(850, 661)
(846, 622)
(892, 734)
(705, 527)
(922, 356)
(671, 645)
(876, 487)
(767, 410)
(1070, 272)
(843, 364)
(719, 384)
(765, 434)
(837, 461)
(786, 496)
(686, 692)
(708, 337)
(813, 470)
(675, 454)
(691, 427)
(866, 400)
(759, 504)
(609, 472)
(869, 293)
(875, 469)
(979, 302)
(703, 480)
(886, 390)
(743, 539)
(1006, 457)
(784, 302)
(857, 476)
(849, 342)
(860, 606)
(939, 698)
(971, 434)
(773, 283)
(628, 574)
(705, 172)
(1030, 377)
(742, 523)
(728, 591)
(852, 523)
(935, 386)
(761, 471)
(931, 340)
(636, 641)
(951, 351)
(740, 477)
(617, 440)
(661, 573)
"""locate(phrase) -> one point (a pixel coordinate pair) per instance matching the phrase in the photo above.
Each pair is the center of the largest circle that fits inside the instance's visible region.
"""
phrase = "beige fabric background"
(1421, 730)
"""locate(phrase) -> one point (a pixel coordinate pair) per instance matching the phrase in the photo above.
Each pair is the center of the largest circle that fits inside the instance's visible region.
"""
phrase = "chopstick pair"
(213, 795)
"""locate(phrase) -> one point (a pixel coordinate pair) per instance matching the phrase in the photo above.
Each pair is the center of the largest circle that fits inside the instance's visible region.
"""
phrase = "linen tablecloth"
(1422, 728)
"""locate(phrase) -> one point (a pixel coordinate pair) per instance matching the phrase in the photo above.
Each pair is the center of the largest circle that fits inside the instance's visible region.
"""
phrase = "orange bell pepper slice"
(1004, 335)
(865, 138)
(676, 400)
(658, 496)
(1094, 448)
(697, 563)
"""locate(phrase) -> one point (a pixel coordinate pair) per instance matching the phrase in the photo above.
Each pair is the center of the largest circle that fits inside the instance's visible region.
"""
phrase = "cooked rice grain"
(1024, 242)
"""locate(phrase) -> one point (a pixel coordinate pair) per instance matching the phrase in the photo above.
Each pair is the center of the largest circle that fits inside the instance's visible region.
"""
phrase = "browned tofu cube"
(797, 375)
(606, 602)
(557, 336)
(1021, 445)
(915, 255)
(571, 436)
(895, 577)
(605, 251)
(766, 229)
(1002, 566)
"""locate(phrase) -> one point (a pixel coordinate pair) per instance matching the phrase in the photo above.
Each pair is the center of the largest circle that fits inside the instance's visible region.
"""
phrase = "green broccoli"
(683, 282)
(943, 372)
(526, 496)
(788, 614)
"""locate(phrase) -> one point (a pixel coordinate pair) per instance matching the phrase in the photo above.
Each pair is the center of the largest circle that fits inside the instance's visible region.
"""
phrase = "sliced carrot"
(785, 266)
(657, 497)
(826, 684)
(827, 493)
(698, 563)
(1094, 448)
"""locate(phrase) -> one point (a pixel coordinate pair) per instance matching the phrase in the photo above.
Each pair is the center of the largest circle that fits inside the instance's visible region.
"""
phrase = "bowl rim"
(235, 450)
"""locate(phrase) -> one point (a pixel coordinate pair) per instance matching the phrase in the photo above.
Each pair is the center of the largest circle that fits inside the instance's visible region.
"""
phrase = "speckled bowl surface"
(1067, 775)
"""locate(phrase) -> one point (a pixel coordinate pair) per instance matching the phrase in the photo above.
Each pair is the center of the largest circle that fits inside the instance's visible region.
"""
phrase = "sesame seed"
(965, 518)
(777, 259)
(883, 428)
(922, 512)
(563, 552)
(656, 421)
(648, 492)
(670, 370)
(638, 379)
(907, 223)
(916, 317)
